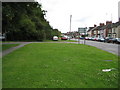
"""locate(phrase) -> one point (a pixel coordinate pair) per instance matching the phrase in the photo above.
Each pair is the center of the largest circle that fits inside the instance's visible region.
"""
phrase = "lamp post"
(70, 22)
(70, 25)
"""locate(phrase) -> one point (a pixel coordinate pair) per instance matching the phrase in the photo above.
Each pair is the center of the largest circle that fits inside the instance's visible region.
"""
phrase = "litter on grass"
(107, 60)
(108, 70)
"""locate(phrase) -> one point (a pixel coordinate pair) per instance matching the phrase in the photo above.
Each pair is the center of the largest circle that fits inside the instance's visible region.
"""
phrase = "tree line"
(26, 21)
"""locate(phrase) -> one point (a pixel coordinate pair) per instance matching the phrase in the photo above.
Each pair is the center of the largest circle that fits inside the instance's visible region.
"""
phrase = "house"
(98, 30)
(106, 30)
(116, 30)
(118, 35)
(93, 31)
(89, 32)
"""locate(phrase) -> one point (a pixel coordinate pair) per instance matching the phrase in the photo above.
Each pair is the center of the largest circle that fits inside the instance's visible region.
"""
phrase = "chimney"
(101, 24)
(108, 22)
(95, 25)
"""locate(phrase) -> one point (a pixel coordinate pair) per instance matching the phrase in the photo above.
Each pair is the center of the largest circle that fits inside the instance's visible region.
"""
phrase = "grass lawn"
(7, 46)
(59, 65)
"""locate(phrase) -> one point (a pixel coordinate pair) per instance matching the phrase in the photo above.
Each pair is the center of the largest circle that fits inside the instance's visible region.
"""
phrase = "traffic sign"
(82, 30)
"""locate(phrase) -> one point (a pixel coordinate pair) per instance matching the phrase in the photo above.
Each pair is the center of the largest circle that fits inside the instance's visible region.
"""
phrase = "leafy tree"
(25, 21)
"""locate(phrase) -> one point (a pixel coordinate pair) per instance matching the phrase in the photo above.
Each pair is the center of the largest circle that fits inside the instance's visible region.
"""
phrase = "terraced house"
(109, 30)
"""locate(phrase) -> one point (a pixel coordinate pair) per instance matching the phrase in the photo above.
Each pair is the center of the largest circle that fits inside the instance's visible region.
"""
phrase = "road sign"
(82, 30)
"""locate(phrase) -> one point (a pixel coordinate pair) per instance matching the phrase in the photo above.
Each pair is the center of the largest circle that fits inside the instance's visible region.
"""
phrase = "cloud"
(83, 19)
(84, 12)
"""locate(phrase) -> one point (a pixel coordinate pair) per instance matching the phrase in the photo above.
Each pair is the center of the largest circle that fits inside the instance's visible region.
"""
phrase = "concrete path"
(13, 48)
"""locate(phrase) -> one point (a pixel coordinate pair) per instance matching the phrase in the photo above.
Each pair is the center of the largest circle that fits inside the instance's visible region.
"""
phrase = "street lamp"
(70, 26)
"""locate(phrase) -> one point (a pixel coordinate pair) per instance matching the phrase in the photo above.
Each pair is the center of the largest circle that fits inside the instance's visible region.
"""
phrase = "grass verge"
(59, 65)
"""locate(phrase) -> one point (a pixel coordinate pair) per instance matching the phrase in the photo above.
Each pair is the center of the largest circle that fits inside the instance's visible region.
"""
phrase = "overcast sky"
(85, 13)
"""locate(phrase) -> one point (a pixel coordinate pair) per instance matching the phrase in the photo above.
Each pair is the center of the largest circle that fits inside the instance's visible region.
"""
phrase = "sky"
(85, 13)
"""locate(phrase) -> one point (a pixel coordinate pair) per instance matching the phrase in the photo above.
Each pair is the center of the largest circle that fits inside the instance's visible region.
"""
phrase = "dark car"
(82, 37)
(114, 40)
(108, 40)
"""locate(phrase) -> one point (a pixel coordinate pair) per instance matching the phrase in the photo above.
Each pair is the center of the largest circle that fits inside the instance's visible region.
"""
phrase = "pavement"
(3, 53)
(109, 47)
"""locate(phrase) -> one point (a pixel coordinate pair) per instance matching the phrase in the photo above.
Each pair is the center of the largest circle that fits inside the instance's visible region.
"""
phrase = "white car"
(102, 39)
(118, 40)
(55, 38)
(2, 37)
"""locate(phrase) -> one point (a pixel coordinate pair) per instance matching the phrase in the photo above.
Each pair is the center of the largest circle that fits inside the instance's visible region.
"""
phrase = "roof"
(90, 29)
(108, 26)
(116, 24)
(94, 28)
(99, 27)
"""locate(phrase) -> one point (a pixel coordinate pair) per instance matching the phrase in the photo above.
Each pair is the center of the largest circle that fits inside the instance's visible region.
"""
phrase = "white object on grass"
(106, 70)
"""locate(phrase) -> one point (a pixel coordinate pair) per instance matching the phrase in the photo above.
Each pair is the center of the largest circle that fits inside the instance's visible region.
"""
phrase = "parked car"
(102, 39)
(69, 37)
(64, 38)
(55, 38)
(94, 38)
(86, 38)
(108, 39)
(97, 39)
(82, 37)
(118, 40)
(90, 38)
(114, 40)
(2, 37)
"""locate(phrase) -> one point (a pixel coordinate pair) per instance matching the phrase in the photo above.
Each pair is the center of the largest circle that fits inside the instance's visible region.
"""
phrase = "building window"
(113, 30)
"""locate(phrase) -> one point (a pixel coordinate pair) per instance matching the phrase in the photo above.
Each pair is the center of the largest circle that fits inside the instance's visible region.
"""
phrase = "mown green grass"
(7, 46)
(59, 65)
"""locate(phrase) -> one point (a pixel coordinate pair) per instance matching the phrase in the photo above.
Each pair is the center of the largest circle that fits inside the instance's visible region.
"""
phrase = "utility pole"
(70, 25)
(70, 22)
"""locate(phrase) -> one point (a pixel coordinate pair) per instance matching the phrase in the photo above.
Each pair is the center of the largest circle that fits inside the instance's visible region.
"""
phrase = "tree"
(25, 21)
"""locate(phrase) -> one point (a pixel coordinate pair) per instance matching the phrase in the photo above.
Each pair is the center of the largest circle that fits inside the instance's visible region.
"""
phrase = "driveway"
(109, 47)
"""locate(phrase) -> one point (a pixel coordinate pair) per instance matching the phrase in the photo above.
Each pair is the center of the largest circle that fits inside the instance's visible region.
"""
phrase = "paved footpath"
(109, 47)
(13, 48)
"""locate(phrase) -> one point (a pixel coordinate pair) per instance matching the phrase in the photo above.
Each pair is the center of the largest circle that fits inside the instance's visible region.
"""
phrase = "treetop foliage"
(25, 21)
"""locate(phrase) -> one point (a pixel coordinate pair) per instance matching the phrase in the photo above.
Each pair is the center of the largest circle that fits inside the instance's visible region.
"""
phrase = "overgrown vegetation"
(26, 21)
